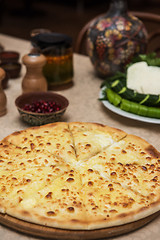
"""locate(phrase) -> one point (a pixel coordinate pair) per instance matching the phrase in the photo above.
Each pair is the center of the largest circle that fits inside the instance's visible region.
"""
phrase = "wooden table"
(84, 106)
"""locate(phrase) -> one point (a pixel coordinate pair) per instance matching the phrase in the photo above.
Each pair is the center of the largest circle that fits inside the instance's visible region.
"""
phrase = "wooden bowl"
(34, 118)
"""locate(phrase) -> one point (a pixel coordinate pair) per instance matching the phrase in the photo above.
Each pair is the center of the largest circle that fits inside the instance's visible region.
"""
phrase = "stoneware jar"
(114, 38)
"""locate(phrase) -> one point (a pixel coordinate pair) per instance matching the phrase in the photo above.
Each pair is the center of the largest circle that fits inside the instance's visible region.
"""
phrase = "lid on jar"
(45, 40)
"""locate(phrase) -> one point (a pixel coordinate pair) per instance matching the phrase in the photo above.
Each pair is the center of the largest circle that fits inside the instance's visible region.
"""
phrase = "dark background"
(19, 17)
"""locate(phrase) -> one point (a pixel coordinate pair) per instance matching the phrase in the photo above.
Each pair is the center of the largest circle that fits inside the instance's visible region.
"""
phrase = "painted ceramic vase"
(114, 39)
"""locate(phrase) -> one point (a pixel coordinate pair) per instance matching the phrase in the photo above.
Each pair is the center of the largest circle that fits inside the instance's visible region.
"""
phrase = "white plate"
(127, 114)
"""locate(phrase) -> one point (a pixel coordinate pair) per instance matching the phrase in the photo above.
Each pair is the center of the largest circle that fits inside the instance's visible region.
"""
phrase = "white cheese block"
(143, 78)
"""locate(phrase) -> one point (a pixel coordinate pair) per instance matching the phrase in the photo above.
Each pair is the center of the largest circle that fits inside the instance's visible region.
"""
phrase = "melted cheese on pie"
(88, 140)
(55, 138)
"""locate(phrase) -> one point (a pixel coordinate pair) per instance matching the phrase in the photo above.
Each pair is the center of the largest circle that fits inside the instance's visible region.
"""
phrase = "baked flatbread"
(78, 176)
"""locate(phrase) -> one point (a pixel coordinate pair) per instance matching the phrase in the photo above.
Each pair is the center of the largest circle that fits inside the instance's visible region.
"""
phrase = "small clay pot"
(3, 98)
(13, 69)
(9, 56)
(4, 82)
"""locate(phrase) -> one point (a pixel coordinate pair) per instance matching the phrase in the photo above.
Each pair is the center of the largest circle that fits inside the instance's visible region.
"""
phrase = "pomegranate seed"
(42, 107)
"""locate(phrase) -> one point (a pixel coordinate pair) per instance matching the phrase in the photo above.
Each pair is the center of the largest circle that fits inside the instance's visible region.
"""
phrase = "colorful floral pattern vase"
(114, 39)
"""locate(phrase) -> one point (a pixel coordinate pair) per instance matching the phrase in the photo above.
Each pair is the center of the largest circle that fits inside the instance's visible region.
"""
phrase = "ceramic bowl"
(9, 56)
(37, 119)
(12, 68)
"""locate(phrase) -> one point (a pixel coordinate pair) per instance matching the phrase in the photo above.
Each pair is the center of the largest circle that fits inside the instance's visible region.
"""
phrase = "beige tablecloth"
(84, 106)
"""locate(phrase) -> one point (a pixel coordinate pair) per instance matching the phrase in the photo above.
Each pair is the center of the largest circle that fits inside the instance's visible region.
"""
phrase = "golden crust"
(78, 176)
(83, 224)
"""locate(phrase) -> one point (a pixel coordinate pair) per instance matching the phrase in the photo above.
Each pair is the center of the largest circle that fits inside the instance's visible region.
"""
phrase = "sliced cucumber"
(119, 86)
(132, 107)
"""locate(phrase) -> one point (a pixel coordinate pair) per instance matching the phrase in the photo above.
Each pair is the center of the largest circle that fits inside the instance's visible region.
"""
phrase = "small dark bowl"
(37, 119)
(9, 56)
(13, 69)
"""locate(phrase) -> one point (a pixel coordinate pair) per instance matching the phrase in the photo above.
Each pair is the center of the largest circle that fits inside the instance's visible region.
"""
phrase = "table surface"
(84, 106)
